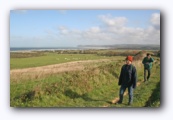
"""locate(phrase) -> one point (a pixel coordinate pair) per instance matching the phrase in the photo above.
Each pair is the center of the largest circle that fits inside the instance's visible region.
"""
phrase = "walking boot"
(130, 99)
(120, 100)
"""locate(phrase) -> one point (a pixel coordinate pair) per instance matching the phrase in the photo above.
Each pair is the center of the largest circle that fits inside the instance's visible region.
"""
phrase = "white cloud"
(94, 29)
(155, 19)
(114, 30)
(63, 30)
(113, 21)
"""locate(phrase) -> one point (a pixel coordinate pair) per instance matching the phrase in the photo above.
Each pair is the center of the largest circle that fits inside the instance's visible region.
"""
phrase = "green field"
(94, 86)
(51, 58)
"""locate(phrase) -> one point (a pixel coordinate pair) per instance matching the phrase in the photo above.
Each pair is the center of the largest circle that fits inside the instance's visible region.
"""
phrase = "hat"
(148, 54)
(130, 58)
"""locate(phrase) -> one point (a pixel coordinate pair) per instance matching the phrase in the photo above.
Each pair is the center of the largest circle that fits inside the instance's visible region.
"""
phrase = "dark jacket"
(149, 61)
(128, 76)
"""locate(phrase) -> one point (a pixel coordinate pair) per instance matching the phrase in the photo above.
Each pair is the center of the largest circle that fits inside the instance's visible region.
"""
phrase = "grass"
(146, 94)
(49, 59)
(95, 86)
(73, 86)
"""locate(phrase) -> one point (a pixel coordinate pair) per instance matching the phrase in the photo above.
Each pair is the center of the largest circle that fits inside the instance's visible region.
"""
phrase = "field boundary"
(38, 72)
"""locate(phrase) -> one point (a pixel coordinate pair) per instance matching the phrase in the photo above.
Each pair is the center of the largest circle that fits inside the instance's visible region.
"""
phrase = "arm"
(134, 77)
(152, 60)
(121, 75)
(143, 61)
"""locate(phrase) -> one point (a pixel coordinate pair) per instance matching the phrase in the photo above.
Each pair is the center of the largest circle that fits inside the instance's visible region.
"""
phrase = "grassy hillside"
(24, 61)
(94, 86)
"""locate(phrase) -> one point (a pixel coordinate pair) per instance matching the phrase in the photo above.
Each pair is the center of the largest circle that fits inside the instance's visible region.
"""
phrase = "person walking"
(127, 79)
(147, 61)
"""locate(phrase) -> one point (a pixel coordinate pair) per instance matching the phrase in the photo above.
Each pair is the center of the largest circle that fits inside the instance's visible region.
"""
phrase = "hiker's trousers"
(130, 93)
(146, 77)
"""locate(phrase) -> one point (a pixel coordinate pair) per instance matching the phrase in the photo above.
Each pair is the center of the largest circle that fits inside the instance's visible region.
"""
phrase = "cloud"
(95, 29)
(111, 30)
(114, 30)
(113, 21)
(155, 20)
(63, 30)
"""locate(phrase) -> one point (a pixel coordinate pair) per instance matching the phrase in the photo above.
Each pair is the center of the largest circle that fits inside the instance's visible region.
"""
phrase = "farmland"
(77, 79)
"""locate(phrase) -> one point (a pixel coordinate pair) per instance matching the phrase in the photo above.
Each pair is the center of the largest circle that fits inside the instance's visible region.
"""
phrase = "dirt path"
(38, 72)
(115, 100)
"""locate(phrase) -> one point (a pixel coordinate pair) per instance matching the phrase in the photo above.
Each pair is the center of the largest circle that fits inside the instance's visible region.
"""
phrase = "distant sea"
(15, 49)
(42, 48)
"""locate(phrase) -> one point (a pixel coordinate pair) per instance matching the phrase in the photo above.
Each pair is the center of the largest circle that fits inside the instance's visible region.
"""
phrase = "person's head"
(148, 55)
(129, 60)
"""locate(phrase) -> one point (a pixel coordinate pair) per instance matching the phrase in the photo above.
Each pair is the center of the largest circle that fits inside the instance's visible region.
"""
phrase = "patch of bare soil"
(115, 100)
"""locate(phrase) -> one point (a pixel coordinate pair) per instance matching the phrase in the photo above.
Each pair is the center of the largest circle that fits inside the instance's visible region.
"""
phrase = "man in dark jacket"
(127, 79)
(147, 61)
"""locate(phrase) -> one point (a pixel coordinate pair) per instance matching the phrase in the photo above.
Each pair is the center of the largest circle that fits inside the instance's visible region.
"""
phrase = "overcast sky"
(69, 28)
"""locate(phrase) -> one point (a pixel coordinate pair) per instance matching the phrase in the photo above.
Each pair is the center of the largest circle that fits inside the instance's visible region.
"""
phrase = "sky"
(70, 28)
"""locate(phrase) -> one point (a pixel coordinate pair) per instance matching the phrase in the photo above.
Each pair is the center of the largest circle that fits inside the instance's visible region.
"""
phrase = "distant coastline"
(29, 49)
(19, 49)
(87, 47)
(125, 46)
